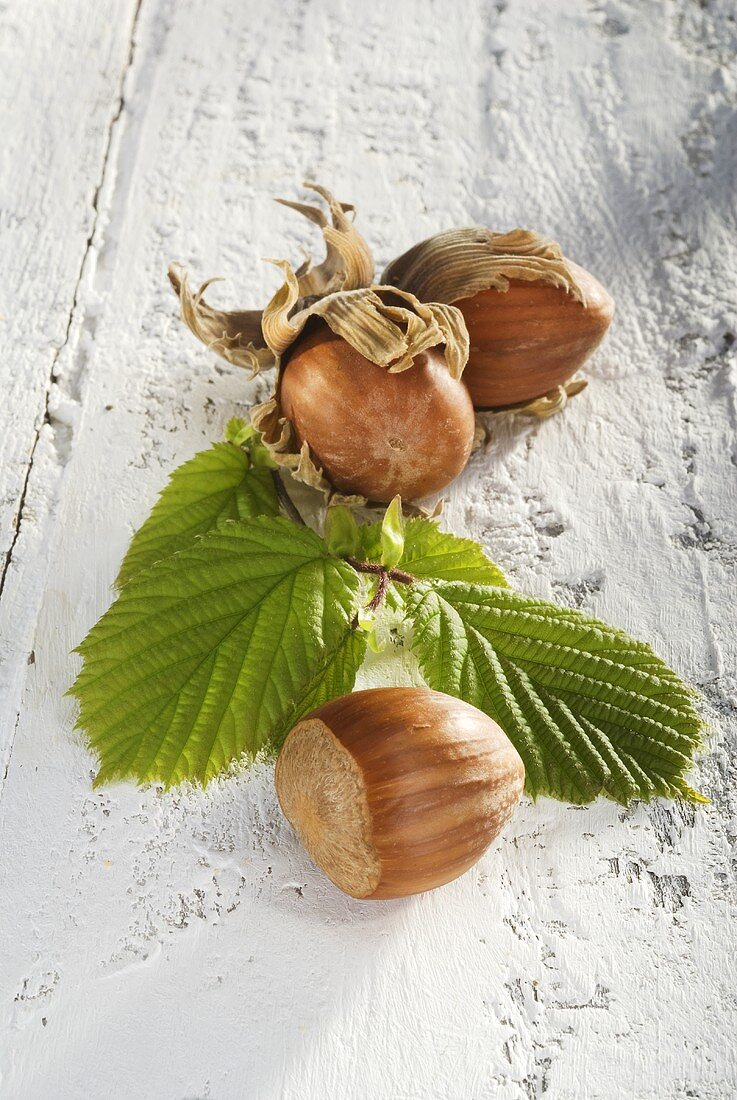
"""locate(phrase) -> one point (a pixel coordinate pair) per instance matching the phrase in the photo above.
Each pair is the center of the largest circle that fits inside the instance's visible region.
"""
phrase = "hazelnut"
(533, 316)
(394, 791)
(374, 432)
(531, 338)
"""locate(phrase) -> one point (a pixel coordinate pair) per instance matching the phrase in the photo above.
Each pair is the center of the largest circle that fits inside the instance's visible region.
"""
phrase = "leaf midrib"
(174, 694)
(292, 577)
(87, 648)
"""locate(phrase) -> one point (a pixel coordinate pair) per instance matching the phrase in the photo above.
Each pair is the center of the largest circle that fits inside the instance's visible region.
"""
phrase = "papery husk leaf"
(539, 409)
(387, 326)
(278, 437)
(460, 263)
(348, 263)
(237, 335)
(553, 402)
(234, 335)
(279, 332)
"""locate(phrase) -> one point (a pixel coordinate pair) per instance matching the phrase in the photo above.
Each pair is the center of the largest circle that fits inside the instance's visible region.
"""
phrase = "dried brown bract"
(237, 335)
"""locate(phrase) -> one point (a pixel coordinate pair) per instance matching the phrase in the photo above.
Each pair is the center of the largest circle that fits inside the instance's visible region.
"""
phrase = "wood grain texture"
(62, 94)
(181, 945)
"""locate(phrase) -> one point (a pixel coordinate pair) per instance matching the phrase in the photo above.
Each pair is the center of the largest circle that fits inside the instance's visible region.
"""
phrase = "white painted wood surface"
(181, 946)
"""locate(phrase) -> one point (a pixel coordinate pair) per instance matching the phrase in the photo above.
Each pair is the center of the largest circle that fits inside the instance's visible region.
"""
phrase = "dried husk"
(388, 326)
(234, 335)
(237, 335)
(540, 409)
(553, 402)
(348, 264)
(460, 263)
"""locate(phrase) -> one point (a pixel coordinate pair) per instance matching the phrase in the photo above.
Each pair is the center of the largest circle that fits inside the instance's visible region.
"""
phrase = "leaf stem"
(285, 500)
(398, 575)
(385, 576)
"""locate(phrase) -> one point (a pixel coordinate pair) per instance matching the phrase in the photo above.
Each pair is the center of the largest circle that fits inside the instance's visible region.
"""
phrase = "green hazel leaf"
(392, 534)
(434, 554)
(590, 710)
(215, 652)
(215, 485)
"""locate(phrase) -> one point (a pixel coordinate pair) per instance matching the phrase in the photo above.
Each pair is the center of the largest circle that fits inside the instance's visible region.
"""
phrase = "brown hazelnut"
(531, 338)
(374, 432)
(533, 316)
(394, 790)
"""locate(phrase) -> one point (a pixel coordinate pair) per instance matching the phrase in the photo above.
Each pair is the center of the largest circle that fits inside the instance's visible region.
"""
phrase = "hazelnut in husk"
(374, 432)
(369, 401)
(394, 791)
(533, 317)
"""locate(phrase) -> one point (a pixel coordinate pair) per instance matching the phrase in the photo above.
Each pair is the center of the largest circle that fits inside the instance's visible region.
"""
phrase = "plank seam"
(46, 415)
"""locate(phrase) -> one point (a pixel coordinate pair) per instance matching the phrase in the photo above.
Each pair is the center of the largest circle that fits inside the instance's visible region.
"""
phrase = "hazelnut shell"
(531, 338)
(394, 791)
(374, 432)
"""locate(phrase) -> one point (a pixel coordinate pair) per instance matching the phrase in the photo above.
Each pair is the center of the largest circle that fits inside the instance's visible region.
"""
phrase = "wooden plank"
(61, 97)
(181, 944)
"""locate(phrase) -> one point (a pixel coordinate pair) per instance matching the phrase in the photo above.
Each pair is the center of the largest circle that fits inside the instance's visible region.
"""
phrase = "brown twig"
(374, 567)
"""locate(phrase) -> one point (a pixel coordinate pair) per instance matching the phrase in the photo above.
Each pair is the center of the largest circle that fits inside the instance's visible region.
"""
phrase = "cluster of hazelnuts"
(377, 384)
(398, 790)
